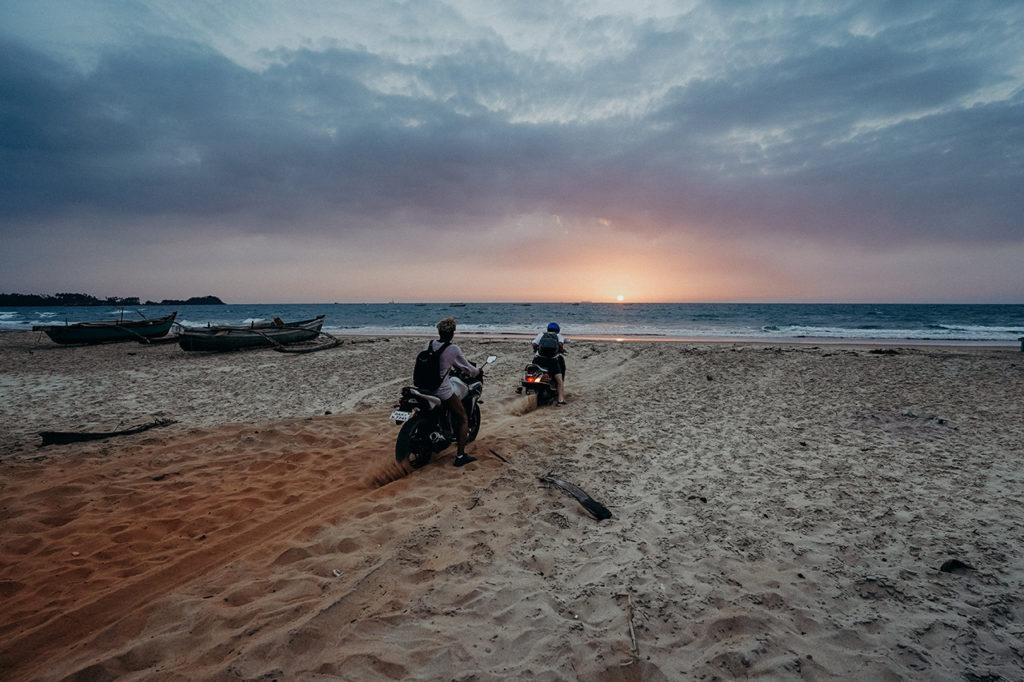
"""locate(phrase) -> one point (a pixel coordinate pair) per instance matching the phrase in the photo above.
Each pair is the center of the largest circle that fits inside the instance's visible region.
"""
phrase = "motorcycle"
(537, 379)
(426, 422)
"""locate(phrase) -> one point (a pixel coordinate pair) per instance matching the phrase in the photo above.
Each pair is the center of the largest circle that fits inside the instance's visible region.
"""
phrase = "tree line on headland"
(68, 299)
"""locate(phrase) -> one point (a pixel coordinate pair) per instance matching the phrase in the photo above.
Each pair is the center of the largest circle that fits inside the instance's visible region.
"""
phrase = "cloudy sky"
(317, 151)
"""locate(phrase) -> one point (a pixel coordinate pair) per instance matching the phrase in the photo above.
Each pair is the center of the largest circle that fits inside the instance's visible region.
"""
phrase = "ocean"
(961, 324)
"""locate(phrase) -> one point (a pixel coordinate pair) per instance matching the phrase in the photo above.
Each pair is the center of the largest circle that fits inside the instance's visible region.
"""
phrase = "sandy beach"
(779, 512)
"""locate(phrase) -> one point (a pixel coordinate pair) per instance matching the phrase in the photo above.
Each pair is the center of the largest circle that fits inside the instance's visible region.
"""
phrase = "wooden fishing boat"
(256, 335)
(106, 331)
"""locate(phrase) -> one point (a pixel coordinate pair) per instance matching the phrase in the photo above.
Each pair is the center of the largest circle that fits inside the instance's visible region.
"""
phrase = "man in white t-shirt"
(548, 347)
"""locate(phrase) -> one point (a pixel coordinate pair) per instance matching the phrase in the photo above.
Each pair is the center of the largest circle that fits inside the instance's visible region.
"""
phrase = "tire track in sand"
(25, 655)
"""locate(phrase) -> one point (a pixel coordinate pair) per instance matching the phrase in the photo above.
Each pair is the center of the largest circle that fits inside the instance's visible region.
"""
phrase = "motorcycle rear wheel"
(545, 395)
(413, 444)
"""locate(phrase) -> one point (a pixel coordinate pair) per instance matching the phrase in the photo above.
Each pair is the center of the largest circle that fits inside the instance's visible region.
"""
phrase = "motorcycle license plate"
(400, 416)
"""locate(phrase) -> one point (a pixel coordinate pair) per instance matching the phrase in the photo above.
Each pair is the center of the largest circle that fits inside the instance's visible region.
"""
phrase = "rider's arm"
(459, 360)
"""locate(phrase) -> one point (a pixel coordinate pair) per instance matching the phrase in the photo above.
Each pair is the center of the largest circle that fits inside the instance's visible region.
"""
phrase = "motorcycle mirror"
(491, 358)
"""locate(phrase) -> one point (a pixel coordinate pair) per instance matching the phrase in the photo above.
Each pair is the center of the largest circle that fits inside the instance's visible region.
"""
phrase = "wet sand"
(779, 511)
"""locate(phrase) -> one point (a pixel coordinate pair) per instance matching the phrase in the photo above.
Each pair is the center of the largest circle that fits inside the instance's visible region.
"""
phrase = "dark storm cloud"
(786, 143)
(802, 127)
(123, 137)
(180, 129)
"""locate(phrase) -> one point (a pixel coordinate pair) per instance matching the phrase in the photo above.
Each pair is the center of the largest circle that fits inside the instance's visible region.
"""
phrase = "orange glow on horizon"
(602, 265)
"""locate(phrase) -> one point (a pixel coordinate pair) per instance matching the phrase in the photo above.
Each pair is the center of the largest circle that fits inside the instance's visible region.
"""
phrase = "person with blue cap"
(548, 348)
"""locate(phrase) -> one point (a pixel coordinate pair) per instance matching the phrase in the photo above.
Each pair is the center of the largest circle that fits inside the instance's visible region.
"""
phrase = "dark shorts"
(555, 365)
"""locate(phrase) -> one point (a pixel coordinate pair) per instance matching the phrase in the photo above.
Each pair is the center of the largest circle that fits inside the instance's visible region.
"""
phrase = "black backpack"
(427, 374)
(548, 346)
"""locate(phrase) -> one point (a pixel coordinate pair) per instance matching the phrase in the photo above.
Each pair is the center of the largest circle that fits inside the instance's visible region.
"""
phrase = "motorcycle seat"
(432, 400)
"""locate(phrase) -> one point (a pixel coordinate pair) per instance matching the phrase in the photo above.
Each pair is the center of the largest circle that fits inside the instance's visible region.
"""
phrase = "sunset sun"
(620, 297)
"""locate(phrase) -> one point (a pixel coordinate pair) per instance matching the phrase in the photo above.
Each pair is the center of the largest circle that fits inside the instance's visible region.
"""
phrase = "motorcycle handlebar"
(465, 375)
(480, 376)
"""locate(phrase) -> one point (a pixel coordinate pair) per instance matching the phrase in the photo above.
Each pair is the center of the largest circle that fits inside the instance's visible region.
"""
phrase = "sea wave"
(856, 322)
(932, 332)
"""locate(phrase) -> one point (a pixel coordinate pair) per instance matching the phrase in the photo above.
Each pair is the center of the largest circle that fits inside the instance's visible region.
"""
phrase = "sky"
(456, 150)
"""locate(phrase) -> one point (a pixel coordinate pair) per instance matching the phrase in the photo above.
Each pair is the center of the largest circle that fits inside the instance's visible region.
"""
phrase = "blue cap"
(553, 327)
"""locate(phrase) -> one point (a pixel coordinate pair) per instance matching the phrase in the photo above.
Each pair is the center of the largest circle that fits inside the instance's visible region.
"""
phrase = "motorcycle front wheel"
(474, 424)
(413, 444)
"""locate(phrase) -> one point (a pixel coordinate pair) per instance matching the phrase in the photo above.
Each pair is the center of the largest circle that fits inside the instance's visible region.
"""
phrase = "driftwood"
(632, 632)
(599, 511)
(499, 457)
(64, 437)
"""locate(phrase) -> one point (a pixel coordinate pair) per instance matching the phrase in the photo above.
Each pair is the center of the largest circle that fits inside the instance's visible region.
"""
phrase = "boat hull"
(105, 331)
(255, 336)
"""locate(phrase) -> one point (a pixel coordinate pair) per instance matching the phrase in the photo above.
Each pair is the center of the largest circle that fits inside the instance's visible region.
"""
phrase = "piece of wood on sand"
(65, 437)
(599, 511)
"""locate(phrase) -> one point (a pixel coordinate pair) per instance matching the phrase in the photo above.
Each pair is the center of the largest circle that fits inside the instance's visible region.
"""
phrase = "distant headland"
(87, 300)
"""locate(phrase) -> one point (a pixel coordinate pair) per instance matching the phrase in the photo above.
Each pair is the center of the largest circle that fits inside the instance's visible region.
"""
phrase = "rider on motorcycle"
(550, 358)
(452, 357)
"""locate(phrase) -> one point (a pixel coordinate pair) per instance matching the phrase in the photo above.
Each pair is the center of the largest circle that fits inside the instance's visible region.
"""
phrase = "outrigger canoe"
(106, 331)
(256, 335)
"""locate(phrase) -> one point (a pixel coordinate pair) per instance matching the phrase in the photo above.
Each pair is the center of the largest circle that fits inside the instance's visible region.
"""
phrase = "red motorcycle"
(537, 379)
